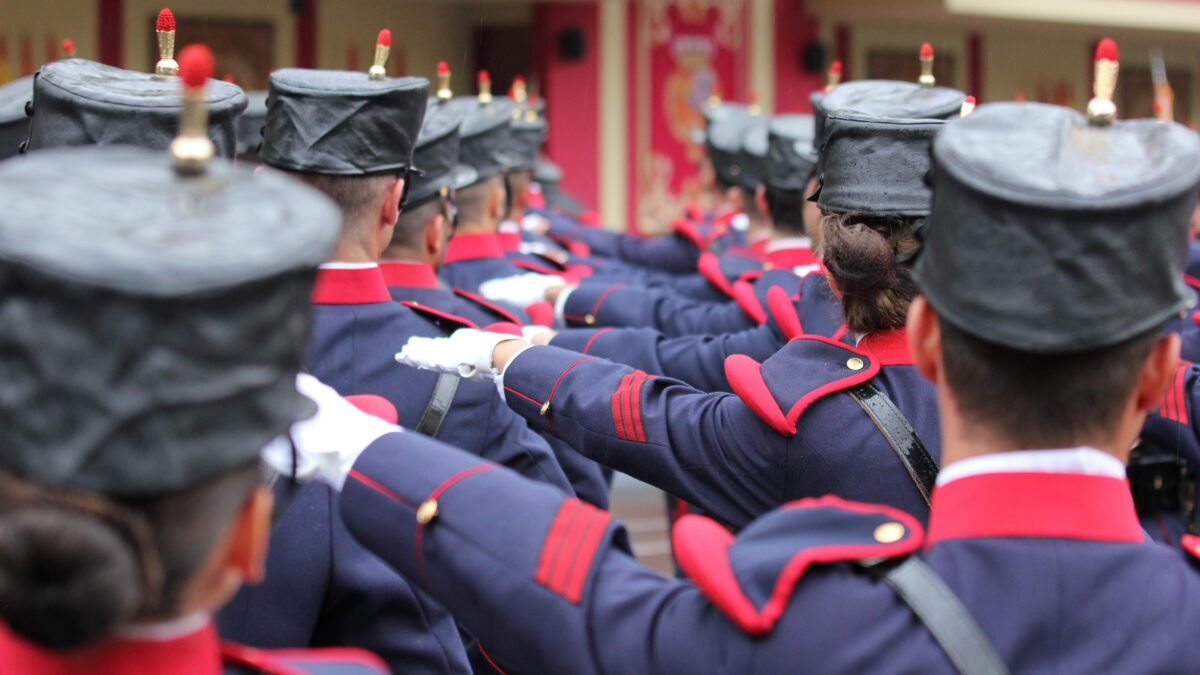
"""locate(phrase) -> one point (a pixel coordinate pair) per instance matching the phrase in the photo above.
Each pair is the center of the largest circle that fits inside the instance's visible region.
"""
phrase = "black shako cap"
(885, 98)
(724, 125)
(437, 156)
(342, 123)
(876, 165)
(752, 155)
(486, 136)
(1052, 236)
(251, 123)
(529, 132)
(80, 102)
(14, 123)
(791, 156)
(151, 325)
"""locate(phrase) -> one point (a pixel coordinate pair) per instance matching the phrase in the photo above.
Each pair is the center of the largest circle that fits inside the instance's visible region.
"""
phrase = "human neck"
(480, 227)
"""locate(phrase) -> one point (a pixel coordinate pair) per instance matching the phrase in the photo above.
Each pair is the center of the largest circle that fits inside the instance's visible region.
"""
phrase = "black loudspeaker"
(571, 44)
(812, 57)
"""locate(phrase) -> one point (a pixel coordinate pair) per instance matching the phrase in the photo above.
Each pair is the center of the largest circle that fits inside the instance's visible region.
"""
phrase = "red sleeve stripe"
(604, 296)
(1174, 406)
(570, 547)
(626, 407)
(592, 340)
(636, 405)
(618, 408)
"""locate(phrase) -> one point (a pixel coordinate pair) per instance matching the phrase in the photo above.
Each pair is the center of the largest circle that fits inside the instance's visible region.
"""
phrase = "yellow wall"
(57, 19)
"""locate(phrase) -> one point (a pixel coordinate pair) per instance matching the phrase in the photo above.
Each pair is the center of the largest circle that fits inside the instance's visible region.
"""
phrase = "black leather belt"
(439, 404)
(899, 434)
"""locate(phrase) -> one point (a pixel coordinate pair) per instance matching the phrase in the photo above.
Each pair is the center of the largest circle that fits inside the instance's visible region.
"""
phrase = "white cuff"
(560, 305)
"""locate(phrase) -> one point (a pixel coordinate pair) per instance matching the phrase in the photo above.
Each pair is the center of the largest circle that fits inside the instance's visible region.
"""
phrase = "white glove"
(531, 332)
(328, 443)
(521, 290)
(467, 353)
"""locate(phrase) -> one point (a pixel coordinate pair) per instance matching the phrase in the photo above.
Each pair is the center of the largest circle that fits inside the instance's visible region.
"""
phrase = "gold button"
(855, 364)
(545, 408)
(590, 319)
(427, 511)
(889, 533)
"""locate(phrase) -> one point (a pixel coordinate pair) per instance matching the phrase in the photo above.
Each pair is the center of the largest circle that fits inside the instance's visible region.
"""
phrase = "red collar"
(1036, 505)
(789, 258)
(362, 286)
(510, 241)
(888, 347)
(758, 250)
(406, 274)
(473, 247)
(198, 653)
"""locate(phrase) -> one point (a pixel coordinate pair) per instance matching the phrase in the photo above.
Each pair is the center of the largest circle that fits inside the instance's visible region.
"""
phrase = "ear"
(251, 532)
(390, 211)
(760, 199)
(925, 339)
(1157, 373)
(435, 235)
(734, 196)
(496, 201)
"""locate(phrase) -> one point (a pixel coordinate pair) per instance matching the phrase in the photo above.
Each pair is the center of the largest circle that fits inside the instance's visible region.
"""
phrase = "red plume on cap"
(166, 21)
(69, 47)
(443, 68)
(484, 77)
(926, 51)
(385, 38)
(836, 67)
(969, 99)
(195, 65)
(1107, 50)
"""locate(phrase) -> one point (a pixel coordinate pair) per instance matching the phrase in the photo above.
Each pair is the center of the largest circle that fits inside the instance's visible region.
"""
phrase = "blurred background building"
(625, 80)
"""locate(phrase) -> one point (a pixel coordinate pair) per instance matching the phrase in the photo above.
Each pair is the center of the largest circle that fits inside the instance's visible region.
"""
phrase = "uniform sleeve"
(698, 360)
(672, 314)
(708, 449)
(670, 253)
(511, 443)
(539, 579)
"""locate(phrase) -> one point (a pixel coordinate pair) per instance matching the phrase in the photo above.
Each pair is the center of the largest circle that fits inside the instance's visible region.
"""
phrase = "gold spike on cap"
(968, 106)
(192, 149)
(833, 76)
(485, 87)
(443, 91)
(164, 30)
(1101, 110)
(383, 47)
(926, 78)
(531, 113)
(519, 93)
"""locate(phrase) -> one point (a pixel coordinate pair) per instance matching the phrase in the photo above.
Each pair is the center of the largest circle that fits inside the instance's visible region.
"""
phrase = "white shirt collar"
(789, 243)
(165, 631)
(349, 266)
(1089, 461)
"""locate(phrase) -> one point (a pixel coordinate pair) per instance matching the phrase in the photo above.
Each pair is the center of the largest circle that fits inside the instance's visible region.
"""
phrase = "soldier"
(1033, 549)
(146, 365)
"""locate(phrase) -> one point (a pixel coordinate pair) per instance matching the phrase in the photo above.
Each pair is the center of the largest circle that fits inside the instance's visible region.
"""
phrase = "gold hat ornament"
(164, 29)
(383, 47)
(968, 106)
(192, 150)
(443, 91)
(926, 78)
(1101, 110)
(833, 76)
(485, 87)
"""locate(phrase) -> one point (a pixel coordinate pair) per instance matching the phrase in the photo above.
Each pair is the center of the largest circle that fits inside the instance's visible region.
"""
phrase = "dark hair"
(786, 208)
(358, 196)
(472, 202)
(410, 227)
(1041, 400)
(861, 254)
(74, 566)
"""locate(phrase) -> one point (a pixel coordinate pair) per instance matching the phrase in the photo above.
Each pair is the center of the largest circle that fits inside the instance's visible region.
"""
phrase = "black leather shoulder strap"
(951, 625)
(899, 434)
(439, 404)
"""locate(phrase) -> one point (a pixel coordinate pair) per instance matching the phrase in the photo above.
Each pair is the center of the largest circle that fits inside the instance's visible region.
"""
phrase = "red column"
(975, 66)
(794, 29)
(111, 24)
(306, 34)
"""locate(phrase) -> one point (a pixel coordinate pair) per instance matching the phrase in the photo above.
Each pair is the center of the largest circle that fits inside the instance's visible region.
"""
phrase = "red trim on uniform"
(1174, 405)
(491, 663)
(688, 231)
(570, 547)
(1196, 318)
(363, 286)
(701, 546)
(758, 250)
(489, 305)
(419, 534)
(527, 398)
(293, 661)
(439, 314)
(510, 241)
(854, 377)
(888, 347)
(604, 296)
(627, 407)
(1041, 505)
(1192, 281)
(1191, 544)
(592, 340)
(618, 408)
(399, 273)
(473, 247)
(745, 379)
(559, 380)
(791, 258)
(540, 313)
(197, 653)
(709, 267)
(840, 332)
(375, 405)
(378, 487)
(506, 327)
(783, 310)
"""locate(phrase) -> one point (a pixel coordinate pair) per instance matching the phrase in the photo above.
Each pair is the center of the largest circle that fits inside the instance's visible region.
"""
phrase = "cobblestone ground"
(643, 510)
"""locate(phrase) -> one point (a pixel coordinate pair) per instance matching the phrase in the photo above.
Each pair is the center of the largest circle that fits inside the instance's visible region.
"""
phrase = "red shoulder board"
(1175, 404)
(445, 320)
(783, 310)
(540, 313)
(375, 405)
(709, 267)
(504, 327)
(1190, 543)
(747, 301)
(1192, 281)
(754, 590)
(489, 306)
(807, 369)
(1196, 318)
(333, 661)
(688, 231)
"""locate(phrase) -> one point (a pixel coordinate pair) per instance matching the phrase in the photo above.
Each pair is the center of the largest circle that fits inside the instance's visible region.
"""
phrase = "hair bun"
(860, 259)
(66, 577)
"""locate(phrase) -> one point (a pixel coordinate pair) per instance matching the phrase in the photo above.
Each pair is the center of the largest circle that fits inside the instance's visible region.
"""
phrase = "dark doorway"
(504, 51)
